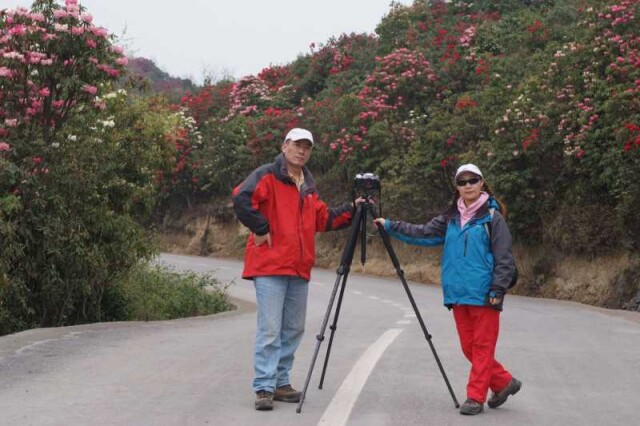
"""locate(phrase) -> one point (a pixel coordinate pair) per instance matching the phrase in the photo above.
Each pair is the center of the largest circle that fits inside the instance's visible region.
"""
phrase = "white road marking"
(403, 322)
(339, 409)
(409, 315)
(356, 292)
(374, 298)
(316, 283)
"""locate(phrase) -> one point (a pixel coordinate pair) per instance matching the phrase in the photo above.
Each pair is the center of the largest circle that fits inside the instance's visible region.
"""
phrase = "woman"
(477, 268)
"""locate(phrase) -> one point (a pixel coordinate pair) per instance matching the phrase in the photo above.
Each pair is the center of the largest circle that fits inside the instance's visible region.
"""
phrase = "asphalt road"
(580, 365)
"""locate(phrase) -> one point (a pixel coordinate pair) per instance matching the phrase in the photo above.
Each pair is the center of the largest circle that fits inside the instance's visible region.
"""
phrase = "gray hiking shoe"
(499, 398)
(264, 400)
(287, 394)
(471, 407)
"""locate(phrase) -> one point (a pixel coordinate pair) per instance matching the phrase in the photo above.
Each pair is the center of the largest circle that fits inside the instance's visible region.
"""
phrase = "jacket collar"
(309, 185)
(452, 211)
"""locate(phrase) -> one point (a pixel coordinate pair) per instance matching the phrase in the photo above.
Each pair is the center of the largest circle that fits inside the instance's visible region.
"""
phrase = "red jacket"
(269, 201)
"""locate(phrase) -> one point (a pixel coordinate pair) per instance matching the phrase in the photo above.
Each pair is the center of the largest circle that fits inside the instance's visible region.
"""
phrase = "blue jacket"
(472, 266)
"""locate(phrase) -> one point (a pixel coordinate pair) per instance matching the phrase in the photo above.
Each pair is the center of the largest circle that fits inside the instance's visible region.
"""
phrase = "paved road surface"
(580, 365)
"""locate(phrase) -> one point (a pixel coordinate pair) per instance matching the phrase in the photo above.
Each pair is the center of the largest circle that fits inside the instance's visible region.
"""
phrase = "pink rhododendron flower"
(100, 32)
(92, 44)
(5, 72)
(11, 122)
(38, 17)
(61, 28)
(44, 92)
(86, 17)
(4, 146)
(92, 90)
(122, 61)
(18, 30)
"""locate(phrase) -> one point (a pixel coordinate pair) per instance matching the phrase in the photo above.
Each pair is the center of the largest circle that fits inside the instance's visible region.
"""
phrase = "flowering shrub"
(542, 95)
(209, 101)
(77, 159)
(248, 95)
(182, 180)
(402, 81)
(52, 60)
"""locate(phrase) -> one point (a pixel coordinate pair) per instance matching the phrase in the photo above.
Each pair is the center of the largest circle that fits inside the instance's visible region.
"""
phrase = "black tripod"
(358, 226)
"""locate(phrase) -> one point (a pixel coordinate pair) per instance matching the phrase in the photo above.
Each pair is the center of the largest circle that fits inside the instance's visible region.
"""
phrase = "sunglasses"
(472, 181)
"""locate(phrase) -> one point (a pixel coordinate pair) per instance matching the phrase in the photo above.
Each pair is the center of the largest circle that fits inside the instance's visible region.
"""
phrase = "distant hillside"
(158, 80)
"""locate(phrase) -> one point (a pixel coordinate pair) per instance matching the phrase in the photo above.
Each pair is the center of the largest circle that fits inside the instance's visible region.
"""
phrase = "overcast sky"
(188, 38)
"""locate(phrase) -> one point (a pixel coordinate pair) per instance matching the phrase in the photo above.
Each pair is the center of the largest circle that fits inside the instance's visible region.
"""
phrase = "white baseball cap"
(297, 134)
(471, 168)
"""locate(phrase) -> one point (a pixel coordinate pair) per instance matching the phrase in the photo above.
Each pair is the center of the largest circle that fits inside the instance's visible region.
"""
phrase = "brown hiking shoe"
(264, 400)
(287, 394)
(499, 398)
(471, 407)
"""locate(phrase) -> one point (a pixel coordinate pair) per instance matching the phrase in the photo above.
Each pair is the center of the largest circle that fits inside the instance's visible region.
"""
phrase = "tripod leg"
(333, 328)
(343, 272)
(319, 339)
(361, 219)
(400, 272)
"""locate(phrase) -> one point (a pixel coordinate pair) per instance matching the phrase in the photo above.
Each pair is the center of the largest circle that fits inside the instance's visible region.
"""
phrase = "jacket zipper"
(300, 206)
(465, 243)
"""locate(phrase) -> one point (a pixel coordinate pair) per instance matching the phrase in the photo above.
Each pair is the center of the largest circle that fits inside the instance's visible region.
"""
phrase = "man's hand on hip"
(261, 239)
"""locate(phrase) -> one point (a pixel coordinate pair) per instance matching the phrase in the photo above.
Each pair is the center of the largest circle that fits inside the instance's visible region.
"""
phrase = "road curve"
(579, 364)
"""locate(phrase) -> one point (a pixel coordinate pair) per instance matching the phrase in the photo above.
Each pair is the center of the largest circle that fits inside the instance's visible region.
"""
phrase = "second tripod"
(358, 226)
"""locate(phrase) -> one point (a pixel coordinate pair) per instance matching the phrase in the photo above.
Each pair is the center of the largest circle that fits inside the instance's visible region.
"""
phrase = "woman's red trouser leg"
(478, 328)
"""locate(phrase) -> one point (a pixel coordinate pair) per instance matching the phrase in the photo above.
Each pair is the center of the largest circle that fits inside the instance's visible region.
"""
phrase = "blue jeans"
(282, 308)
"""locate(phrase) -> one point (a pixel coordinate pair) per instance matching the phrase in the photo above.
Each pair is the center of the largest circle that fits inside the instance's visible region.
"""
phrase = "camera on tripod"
(365, 184)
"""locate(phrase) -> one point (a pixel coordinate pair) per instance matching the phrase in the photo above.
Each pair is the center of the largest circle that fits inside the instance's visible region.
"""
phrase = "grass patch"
(155, 292)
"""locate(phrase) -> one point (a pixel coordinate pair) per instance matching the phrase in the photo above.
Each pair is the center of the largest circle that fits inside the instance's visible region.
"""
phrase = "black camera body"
(366, 183)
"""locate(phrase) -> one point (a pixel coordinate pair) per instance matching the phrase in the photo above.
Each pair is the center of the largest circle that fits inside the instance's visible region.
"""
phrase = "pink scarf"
(466, 213)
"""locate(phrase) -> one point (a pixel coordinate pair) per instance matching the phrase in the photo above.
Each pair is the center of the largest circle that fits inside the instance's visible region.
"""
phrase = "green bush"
(155, 292)
(78, 163)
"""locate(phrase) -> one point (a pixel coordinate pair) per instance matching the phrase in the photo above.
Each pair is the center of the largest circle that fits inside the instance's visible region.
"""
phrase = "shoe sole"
(470, 413)
(510, 392)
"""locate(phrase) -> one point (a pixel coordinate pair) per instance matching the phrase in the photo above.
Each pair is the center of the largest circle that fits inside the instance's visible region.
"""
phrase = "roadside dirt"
(610, 281)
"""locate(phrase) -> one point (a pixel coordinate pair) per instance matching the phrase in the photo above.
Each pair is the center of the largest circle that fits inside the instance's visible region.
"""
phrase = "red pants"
(478, 328)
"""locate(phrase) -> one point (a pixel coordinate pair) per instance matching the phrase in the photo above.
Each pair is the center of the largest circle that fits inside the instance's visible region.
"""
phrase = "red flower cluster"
(634, 140)
(275, 76)
(465, 102)
(535, 27)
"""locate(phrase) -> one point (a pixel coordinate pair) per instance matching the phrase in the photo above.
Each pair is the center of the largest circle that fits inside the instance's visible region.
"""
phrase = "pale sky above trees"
(194, 38)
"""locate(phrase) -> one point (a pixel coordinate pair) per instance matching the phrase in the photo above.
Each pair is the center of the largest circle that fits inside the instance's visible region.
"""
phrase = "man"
(279, 204)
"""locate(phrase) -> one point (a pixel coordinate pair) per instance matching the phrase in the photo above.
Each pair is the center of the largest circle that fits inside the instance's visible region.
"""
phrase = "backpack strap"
(488, 226)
